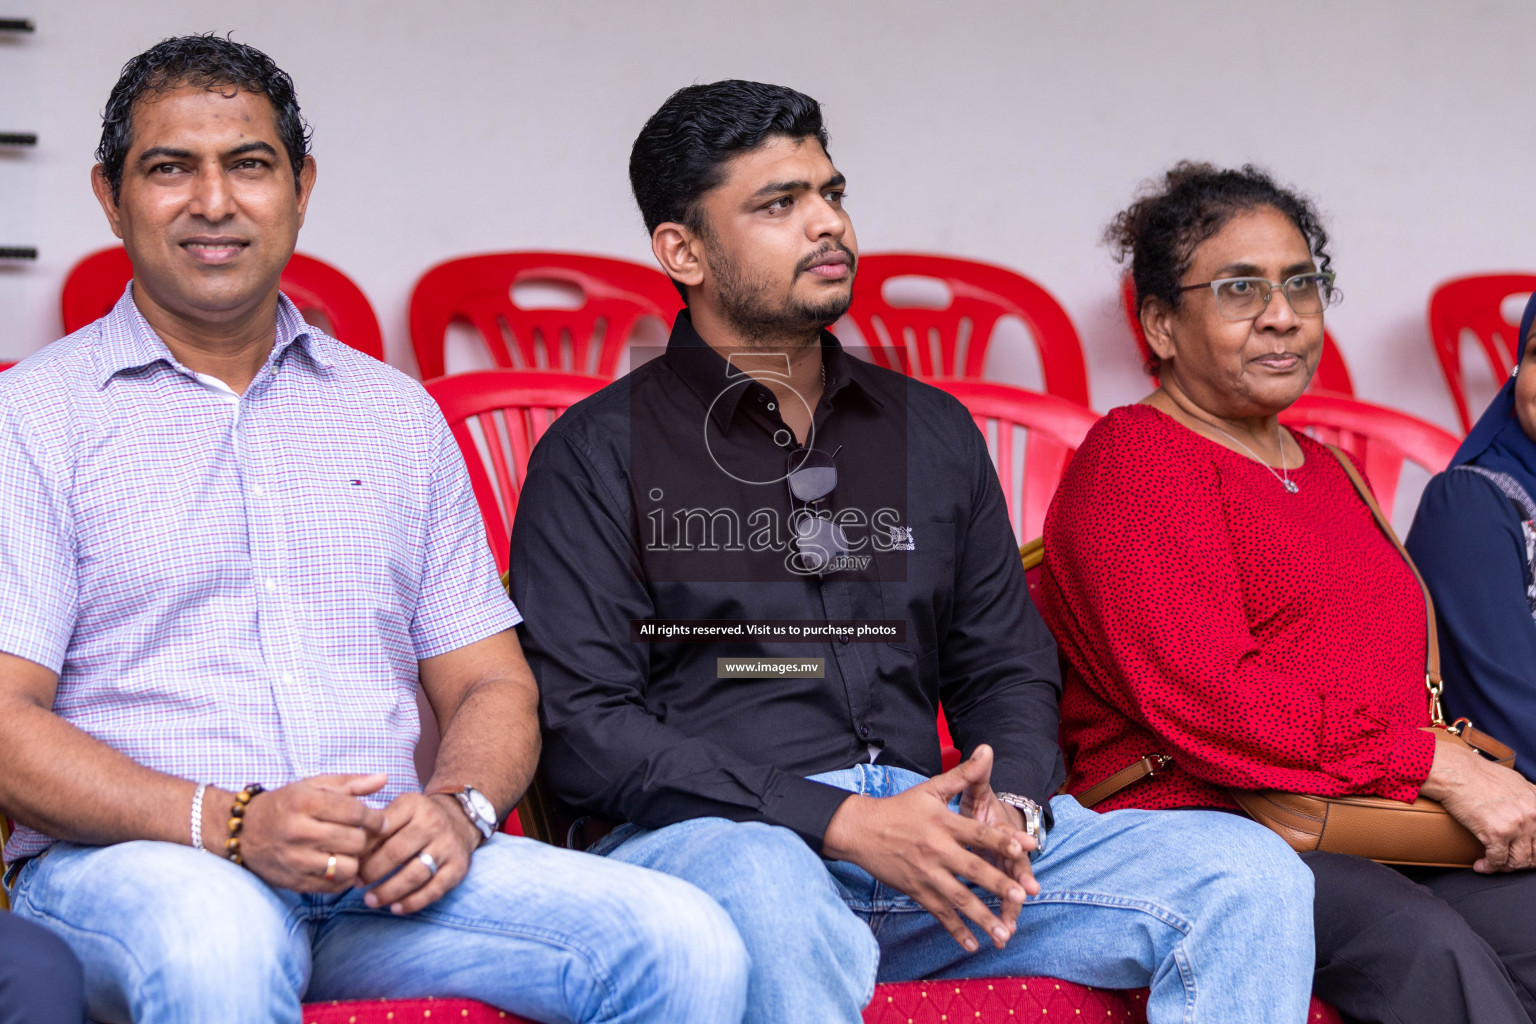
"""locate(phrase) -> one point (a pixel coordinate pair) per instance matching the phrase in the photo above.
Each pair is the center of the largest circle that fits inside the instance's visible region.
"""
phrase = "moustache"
(806, 263)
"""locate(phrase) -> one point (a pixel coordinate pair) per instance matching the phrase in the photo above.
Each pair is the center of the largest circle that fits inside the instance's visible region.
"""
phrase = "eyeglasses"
(818, 540)
(1243, 298)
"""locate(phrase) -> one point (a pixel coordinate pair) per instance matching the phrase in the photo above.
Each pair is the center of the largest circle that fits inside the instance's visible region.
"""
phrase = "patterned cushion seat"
(982, 1001)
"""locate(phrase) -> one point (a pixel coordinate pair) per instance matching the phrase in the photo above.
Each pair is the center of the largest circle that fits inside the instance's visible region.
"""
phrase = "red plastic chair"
(1332, 374)
(1381, 438)
(588, 339)
(1054, 427)
(980, 294)
(1475, 304)
(327, 297)
(497, 416)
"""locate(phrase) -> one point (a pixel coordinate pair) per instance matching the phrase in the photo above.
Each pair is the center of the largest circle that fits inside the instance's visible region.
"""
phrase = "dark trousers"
(40, 979)
(1424, 946)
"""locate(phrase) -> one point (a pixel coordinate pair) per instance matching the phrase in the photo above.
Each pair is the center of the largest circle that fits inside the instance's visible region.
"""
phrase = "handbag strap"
(1131, 773)
(1432, 680)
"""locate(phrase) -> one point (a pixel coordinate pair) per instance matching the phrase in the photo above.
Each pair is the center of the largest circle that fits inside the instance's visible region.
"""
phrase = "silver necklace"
(1284, 476)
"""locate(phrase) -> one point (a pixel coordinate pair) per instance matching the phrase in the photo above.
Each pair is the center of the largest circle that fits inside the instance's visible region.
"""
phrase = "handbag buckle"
(1156, 763)
(1436, 710)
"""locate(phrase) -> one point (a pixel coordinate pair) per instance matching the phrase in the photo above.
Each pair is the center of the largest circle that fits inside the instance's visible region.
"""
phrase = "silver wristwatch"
(1034, 821)
(478, 807)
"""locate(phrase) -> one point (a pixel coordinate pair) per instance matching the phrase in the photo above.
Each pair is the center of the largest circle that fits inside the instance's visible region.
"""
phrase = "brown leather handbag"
(1421, 833)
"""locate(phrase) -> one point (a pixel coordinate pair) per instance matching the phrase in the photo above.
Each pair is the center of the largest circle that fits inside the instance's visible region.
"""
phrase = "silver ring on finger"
(428, 862)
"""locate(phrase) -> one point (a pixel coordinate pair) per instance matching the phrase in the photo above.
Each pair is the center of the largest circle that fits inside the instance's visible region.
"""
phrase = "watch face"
(484, 810)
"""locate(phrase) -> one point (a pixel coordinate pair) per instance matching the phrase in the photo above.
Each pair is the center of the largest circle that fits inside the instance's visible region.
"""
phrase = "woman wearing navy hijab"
(1473, 539)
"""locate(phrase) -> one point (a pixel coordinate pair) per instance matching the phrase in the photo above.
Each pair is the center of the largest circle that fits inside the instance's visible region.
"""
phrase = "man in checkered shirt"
(232, 550)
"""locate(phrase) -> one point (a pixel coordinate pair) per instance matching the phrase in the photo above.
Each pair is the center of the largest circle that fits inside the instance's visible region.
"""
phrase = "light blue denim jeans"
(172, 936)
(1213, 911)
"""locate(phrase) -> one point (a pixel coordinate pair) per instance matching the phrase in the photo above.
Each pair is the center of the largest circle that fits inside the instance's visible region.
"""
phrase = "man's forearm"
(69, 785)
(490, 743)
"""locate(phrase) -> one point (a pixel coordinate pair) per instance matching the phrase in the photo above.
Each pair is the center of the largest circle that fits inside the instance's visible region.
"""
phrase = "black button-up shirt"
(663, 498)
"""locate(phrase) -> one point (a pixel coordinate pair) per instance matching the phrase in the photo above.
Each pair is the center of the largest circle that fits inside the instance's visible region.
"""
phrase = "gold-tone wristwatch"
(1034, 821)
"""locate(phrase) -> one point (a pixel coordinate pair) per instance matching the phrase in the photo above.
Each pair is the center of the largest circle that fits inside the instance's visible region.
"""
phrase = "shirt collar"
(719, 385)
(129, 343)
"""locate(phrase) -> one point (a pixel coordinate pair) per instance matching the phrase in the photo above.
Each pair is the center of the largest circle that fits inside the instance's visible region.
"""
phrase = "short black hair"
(201, 62)
(1161, 230)
(678, 156)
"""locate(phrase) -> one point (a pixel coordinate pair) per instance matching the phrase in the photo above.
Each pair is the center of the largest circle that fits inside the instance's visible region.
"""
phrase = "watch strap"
(486, 827)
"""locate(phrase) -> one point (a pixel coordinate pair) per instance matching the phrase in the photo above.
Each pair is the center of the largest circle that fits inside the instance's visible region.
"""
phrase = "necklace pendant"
(1290, 485)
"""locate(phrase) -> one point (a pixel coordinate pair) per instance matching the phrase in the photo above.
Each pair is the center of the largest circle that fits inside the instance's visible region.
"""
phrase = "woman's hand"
(1496, 804)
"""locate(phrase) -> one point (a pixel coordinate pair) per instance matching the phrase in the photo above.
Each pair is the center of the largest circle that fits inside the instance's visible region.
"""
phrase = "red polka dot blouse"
(1264, 640)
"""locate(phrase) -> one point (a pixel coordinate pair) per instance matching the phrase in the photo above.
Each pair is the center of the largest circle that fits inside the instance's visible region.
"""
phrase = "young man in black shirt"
(751, 570)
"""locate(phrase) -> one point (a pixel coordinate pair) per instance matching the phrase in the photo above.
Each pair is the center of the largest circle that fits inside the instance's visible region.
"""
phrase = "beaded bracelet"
(237, 820)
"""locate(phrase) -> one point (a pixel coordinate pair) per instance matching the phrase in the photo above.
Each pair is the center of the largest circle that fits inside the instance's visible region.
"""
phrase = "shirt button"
(288, 678)
(864, 730)
(842, 640)
(271, 585)
(258, 490)
(771, 406)
(761, 399)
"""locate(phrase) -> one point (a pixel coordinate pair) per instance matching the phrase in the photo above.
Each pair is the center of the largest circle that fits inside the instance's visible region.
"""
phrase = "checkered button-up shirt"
(235, 589)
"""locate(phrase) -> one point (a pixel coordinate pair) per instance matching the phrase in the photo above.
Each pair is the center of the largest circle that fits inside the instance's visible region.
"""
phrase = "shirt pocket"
(355, 532)
(917, 582)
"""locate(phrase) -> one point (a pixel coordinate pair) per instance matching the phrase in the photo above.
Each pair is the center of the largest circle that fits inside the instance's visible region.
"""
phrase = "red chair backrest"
(6, 366)
(93, 287)
(317, 287)
(1332, 374)
(497, 416)
(477, 290)
(905, 337)
(96, 283)
(1381, 438)
(1475, 304)
(1053, 427)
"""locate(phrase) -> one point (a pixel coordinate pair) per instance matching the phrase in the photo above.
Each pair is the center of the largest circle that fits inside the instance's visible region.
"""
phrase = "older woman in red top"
(1221, 595)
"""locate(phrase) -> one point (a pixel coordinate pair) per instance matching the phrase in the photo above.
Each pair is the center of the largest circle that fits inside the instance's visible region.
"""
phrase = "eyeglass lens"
(812, 474)
(818, 541)
(1241, 298)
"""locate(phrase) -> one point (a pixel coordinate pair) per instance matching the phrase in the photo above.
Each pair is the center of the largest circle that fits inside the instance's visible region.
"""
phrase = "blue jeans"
(169, 935)
(1213, 911)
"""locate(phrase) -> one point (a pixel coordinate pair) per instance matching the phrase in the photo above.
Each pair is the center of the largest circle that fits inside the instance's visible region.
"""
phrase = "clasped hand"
(914, 843)
(290, 835)
(1495, 803)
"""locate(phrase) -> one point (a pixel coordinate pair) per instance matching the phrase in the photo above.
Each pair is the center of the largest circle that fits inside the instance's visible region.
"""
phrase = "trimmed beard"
(745, 305)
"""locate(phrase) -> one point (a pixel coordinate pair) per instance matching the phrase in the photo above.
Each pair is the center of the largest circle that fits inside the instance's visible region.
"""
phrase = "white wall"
(1008, 131)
